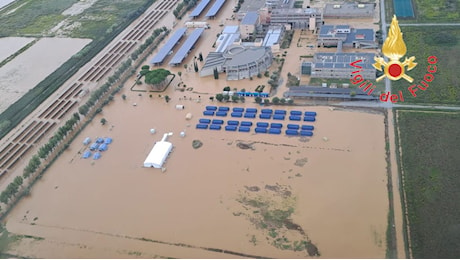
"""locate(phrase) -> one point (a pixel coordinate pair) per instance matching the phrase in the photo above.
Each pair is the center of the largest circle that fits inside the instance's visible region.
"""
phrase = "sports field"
(403, 8)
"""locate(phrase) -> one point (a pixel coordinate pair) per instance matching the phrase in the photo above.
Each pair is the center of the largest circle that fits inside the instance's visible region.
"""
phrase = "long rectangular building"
(337, 65)
(166, 49)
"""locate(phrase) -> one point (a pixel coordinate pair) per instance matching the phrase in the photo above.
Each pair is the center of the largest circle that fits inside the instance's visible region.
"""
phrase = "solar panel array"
(215, 8)
(164, 51)
(186, 47)
(199, 8)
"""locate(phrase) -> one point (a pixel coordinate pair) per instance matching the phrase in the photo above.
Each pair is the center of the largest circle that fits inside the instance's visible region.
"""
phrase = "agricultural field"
(444, 43)
(429, 156)
(437, 11)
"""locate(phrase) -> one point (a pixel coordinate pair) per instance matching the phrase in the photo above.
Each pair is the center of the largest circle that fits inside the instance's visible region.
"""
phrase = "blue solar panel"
(199, 8)
(185, 48)
(163, 52)
(215, 8)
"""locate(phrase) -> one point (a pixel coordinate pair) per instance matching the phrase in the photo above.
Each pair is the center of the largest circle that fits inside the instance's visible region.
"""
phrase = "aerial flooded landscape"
(229, 129)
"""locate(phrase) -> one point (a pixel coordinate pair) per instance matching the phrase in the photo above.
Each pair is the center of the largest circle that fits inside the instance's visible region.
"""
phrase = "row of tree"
(183, 7)
(149, 41)
(11, 190)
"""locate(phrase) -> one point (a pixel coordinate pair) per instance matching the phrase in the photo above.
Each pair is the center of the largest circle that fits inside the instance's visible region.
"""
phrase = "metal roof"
(164, 51)
(186, 47)
(250, 18)
(343, 60)
(215, 8)
(272, 37)
(199, 8)
(366, 35)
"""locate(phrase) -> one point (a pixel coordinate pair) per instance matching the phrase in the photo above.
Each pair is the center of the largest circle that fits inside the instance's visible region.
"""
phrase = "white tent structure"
(159, 153)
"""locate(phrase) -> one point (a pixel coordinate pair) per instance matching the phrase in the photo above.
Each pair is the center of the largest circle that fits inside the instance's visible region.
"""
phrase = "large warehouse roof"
(164, 51)
(215, 8)
(186, 47)
(199, 8)
(343, 60)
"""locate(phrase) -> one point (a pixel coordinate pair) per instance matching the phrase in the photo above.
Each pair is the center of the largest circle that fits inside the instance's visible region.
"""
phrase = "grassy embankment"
(102, 23)
(429, 157)
(442, 42)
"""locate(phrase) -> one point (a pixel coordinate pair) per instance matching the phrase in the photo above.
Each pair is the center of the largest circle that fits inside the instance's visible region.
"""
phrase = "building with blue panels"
(267, 111)
(262, 130)
(215, 127)
(204, 121)
(246, 123)
(230, 128)
(309, 118)
(265, 116)
(202, 126)
(262, 124)
(221, 113)
(211, 108)
(236, 114)
(244, 129)
(276, 125)
(232, 122)
(223, 109)
(275, 131)
(308, 127)
(280, 112)
(249, 115)
(306, 133)
(251, 110)
(292, 132)
(217, 122)
(309, 113)
(296, 113)
(208, 113)
(238, 109)
(294, 118)
(293, 126)
(278, 117)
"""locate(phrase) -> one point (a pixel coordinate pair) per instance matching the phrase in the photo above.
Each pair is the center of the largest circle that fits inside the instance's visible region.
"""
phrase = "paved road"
(384, 36)
(429, 24)
(380, 104)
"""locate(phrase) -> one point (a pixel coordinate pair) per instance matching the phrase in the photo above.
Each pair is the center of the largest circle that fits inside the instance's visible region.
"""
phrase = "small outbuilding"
(158, 154)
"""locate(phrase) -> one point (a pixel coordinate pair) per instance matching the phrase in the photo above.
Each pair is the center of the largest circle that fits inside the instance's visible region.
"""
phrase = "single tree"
(123, 97)
(226, 97)
(185, 67)
(167, 98)
(276, 100)
(227, 88)
(219, 97)
(235, 98)
(266, 101)
(195, 66)
(290, 101)
(242, 99)
(258, 99)
(180, 75)
(103, 121)
(283, 101)
(216, 73)
(200, 56)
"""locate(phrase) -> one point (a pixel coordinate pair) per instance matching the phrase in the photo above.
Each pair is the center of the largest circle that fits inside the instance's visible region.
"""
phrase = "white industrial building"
(159, 153)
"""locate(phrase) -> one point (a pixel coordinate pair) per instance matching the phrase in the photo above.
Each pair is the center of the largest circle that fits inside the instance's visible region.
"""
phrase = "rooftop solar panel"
(185, 48)
(164, 51)
(215, 8)
(199, 8)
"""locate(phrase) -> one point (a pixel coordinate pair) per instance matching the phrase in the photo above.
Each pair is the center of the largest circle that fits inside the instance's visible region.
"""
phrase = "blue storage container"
(296, 113)
(308, 127)
(246, 123)
(280, 112)
(306, 133)
(275, 131)
(202, 126)
(251, 110)
(309, 118)
(249, 115)
(292, 126)
(215, 127)
(238, 109)
(261, 130)
(204, 121)
(267, 111)
(230, 128)
(223, 109)
(276, 125)
(309, 113)
(211, 108)
(278, 117)
(244, 129)
(292, 132)
(232, 122)
(265, 116)
(294, 118)
(236, 114)
(217, 122)
(262, 124)
(208, 113)
(221, 113)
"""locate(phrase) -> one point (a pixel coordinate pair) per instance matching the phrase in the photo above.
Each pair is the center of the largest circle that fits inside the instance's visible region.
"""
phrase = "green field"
(102, 22)
(430, 159)
(436, 11)
(444, 43)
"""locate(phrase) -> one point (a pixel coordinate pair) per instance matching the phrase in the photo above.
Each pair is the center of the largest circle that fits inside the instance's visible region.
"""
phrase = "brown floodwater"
(97, 209)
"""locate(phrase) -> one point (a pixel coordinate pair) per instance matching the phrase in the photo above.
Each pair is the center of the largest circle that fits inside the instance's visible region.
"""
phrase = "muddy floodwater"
(25, 71)
(10, 45)
(87, 208)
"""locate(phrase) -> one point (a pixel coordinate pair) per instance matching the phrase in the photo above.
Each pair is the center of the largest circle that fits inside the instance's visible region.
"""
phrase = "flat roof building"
(332, 35)
(337, 65)
(248, 24)
(349, 10)
(297, 18)
(158, 154)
